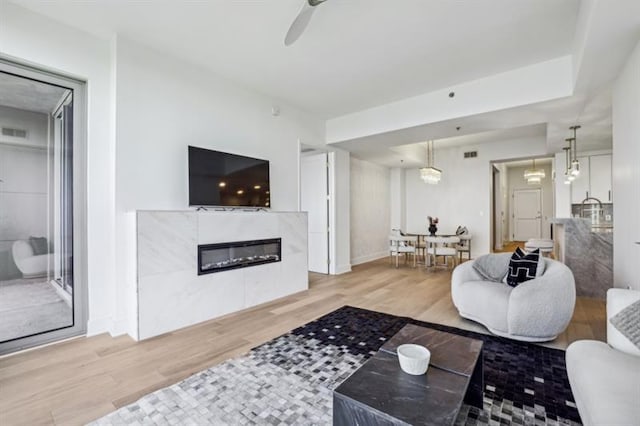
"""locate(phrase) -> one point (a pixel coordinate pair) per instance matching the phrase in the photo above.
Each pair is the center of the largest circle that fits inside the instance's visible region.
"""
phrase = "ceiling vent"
(14, 133)
(471, 154)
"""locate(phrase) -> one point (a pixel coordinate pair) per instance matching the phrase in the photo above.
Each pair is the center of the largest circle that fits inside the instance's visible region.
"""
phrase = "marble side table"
(380, 393)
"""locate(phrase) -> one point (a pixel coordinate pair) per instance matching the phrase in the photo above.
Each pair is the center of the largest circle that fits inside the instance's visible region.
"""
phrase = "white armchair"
(31, 265)
(535, 311)
(605, 377)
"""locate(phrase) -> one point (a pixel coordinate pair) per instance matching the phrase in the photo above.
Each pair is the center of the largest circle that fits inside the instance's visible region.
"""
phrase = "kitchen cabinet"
(600, 171)
(580, 186)
(594, 179)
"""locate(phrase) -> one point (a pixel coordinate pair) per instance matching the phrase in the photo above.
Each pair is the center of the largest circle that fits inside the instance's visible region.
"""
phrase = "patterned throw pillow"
(627, 322)
(522, 267)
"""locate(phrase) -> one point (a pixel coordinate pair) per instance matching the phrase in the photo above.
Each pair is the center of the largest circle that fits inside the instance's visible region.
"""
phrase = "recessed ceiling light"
(222, 184)
(240, 192)
(257, 187)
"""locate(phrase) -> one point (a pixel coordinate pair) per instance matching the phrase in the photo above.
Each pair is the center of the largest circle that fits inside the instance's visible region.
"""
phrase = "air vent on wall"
(15, 133)
(471, 154)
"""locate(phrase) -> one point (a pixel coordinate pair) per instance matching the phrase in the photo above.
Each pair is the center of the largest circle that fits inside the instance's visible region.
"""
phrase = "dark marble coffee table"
(380, 393)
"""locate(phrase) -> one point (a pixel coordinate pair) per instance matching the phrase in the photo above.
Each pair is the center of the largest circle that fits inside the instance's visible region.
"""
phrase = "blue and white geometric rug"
(290, 379)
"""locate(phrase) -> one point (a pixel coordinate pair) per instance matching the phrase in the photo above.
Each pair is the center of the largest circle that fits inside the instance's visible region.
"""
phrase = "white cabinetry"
(594, 179)
(580, 186)
(600, 170)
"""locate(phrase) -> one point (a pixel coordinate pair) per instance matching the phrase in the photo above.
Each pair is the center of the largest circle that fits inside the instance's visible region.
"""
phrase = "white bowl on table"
(414, 359)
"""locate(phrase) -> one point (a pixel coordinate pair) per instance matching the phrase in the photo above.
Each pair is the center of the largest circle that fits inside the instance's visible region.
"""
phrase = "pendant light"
(430, 174)
(575, 164)
(534, 176)
(568, 177)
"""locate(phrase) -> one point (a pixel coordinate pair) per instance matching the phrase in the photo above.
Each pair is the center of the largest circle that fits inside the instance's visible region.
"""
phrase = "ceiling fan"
(302, 20)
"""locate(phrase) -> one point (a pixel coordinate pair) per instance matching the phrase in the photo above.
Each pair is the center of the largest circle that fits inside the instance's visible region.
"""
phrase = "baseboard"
(341, 269)
(369, 258)
(121, 327)
(99, 326)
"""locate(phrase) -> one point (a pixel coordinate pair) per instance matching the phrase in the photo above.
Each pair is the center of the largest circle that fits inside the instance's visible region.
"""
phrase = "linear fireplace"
(239, 254)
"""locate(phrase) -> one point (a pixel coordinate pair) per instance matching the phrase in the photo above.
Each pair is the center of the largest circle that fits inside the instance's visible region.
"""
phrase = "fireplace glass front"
(239, 254)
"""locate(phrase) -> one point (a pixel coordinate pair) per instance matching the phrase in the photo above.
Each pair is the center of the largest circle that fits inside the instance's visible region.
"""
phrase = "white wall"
(626, 174)
(370, 212)
(23, 176)
(34, 39)
(35, 123)
(162, 106)
(563, 191)
(154, 106)
(339, 216)
(516, 180)
(23, 183)
(463, 196)
(397, 199)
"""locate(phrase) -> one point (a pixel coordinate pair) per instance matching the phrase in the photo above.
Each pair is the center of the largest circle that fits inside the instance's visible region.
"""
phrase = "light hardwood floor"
(80, 380)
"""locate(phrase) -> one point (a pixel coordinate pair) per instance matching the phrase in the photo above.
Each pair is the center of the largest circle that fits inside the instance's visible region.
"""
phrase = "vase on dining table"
(433, 229)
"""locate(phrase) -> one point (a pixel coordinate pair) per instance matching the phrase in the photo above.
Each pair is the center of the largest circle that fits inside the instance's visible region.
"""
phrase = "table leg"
(476, 385)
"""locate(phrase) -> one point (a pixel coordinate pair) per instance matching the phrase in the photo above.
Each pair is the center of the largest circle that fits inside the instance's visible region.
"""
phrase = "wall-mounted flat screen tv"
(227, 180)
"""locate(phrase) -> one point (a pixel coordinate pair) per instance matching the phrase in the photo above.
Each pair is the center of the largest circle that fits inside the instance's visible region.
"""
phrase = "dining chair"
(464, 246)
(442, 246)
(402, 245)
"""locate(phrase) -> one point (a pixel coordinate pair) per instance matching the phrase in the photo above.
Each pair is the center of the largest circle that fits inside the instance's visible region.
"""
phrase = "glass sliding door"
(38, 298)
(63, 202)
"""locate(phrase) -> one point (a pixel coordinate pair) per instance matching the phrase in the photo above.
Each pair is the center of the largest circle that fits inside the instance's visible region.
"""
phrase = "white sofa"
(534, 311)
(605, 377)
(31, 266)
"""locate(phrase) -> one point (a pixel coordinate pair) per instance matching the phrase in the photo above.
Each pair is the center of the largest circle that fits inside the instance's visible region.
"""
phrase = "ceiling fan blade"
(299, 24)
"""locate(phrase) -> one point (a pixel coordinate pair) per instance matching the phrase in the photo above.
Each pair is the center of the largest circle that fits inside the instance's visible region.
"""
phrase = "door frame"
(80, 300)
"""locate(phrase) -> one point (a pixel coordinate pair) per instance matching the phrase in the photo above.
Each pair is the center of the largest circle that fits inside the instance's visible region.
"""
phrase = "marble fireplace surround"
(171, 294)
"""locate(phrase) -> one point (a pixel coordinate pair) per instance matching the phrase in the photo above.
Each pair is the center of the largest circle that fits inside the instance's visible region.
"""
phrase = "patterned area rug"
(290, 379)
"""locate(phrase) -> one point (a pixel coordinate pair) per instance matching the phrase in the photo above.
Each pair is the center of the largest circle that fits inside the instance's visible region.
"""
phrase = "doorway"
(521, 210)
(41, 133)
(314, 199)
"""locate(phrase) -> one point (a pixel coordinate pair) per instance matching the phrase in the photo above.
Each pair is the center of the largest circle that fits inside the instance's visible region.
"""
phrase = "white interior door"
(527, 214)
(315, 201)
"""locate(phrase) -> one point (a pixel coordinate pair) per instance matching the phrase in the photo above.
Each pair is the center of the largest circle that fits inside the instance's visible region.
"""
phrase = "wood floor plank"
(80, 380)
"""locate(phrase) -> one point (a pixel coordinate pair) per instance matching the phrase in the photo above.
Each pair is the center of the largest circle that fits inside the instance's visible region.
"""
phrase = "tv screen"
(228, 180)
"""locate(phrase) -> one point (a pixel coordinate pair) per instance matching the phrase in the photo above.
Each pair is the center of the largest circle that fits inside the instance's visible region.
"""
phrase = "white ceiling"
(355, 54)
(29, 95)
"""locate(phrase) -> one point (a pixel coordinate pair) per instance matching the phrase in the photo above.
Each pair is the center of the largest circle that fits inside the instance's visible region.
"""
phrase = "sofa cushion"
(491, 267)
(604, 382)
(524, 267)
